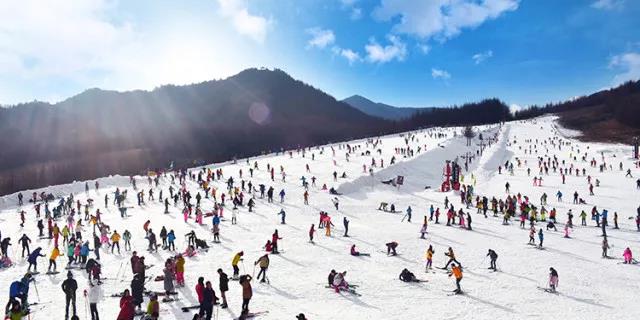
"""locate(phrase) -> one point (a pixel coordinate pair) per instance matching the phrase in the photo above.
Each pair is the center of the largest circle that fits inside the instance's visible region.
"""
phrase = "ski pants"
(245, 304)
(263, 272)
(70, 299)
(452, 260)
(94, 311)
(493, 264)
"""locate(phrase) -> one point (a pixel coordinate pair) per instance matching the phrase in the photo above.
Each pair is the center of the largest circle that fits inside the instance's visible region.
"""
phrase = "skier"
(55, 253)
(247, 293)
(452, 258)
(208, 301)
(493, 256)
(312, 230)
(24, 241)
(33, 259)
(407, 276)
(264, 265)
(457, 272)
(628, 256)
(94, 295)
(115, 241)
(345, 223)
(224, 287)
(127, 309)
(605, 247)
(356, 253)
(391, 248)
(153, 308)
(429, 256)
(540, 237)
(283, 214)
(234, 263)
(20, 289)
(553, 279)
(69, 287)
(408, 214)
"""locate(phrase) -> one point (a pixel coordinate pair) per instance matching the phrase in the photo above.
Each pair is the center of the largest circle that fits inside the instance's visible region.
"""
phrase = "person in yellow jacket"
(234, 263)
(55, 253)
(429, 256)
(115, 241)
(180, 270)
(65, 234)
(457, 272)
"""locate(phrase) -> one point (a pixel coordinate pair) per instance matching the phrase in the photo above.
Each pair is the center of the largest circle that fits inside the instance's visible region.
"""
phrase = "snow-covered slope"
(590, 287)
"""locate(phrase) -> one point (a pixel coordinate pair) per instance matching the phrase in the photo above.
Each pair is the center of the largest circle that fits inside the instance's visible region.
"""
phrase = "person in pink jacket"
(628, 257)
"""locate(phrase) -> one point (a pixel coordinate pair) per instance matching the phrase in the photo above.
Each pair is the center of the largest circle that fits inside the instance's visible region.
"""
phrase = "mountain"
(381, 110)
(98, 132)
(609, 115)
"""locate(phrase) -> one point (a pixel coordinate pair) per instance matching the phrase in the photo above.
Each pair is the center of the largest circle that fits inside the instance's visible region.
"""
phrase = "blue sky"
(402, 52)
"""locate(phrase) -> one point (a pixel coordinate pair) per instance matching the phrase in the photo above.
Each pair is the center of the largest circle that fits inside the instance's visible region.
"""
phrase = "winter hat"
(301, 317)
(69, 274)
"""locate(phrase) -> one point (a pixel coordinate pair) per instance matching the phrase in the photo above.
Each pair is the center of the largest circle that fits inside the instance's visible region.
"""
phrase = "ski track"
(589, 286)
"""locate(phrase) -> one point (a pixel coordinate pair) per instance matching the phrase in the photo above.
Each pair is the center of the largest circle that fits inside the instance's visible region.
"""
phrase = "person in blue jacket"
(33, 259)
(19, 289)
(84, 252)
(171, 238)
(540, 237)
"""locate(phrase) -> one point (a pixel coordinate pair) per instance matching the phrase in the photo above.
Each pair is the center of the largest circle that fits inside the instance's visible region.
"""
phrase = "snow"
(589, 285)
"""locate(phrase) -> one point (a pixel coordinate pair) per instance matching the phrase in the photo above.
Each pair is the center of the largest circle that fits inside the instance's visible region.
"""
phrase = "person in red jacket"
(200, 289)
(274, 242)
(311, 232)
(127, 311)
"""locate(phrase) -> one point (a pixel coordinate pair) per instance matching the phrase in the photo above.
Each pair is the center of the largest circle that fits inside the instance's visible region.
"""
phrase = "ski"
(186, 309)
(251, 315)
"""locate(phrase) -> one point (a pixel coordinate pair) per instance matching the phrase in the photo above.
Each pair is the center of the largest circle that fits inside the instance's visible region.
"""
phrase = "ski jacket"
(199, 291)
(127, 310)
(95, 294)
(457, 272)
(69, 286)
(236, 259)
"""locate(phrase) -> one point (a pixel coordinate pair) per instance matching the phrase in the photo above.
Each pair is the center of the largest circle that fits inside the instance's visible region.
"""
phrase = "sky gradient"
(414, 53)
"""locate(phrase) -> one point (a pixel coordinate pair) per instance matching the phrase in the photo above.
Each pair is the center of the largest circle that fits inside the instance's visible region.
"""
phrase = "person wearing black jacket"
(224, 287)
(69, 287)
(137, 289)
(24, 240)
(208, 300)
(96, 245)
(493, 256)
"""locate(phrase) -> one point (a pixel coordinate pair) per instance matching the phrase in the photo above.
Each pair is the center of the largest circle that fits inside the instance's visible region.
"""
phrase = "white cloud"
(442, 19)
(607, 4)
(58, 37)
(348, 54)
(629, 64)
(246, 24)
(480, 57)
(395, 50)
(424, 48)
(53, 49)
(440, 74)
(320, 38)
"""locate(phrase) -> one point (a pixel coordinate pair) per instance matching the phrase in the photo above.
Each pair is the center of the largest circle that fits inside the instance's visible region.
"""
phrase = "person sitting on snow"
(407, 276)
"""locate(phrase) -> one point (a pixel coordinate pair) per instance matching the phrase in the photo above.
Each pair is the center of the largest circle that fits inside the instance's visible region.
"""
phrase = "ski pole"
(85, 307)
(243, 269)
(37, 293)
